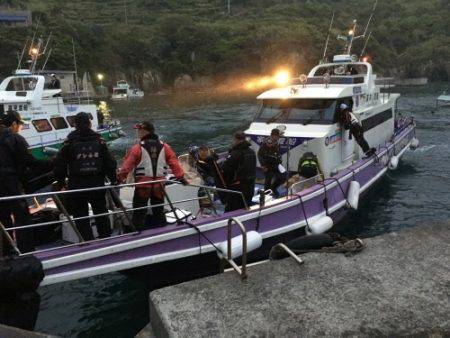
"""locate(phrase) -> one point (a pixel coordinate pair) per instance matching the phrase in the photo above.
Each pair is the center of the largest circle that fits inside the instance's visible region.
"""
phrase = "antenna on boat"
(22, 54)
(46, 45)
(365, 45)
(46, 59)
(351, 36)
(75, 65)
(328, 39)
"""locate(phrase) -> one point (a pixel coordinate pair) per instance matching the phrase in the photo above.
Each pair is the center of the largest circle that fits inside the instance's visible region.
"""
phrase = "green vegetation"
(411, 38)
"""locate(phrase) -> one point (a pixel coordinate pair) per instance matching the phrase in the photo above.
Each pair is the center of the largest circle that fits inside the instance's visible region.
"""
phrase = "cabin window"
(20, 107)
(58, 123)
(71, 120)
(120, 91)
(21, 84)
(10, 108)
(25, 107)
(376, 119)
(305, 111)
(42, 125)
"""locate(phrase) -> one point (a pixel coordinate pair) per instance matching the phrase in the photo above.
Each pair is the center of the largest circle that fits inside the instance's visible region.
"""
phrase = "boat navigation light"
(34, 51)
(100, 76)
(351, 32)
(365, 59)
(282, 78)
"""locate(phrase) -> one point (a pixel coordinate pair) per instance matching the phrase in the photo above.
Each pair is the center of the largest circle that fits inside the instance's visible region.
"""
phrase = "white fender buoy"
(320, 226)
(414, 143)
(353, 194)
(393, 163)
(254, 241)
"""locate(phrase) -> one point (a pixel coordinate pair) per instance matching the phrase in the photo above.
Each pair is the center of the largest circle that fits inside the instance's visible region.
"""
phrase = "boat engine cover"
(20, 275)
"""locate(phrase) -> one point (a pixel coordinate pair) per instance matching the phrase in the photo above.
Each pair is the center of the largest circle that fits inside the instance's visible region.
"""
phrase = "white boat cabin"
(306, 113)
(47, 115)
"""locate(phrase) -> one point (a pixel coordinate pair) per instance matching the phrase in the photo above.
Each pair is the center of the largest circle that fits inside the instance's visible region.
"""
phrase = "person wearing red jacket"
(149, 160)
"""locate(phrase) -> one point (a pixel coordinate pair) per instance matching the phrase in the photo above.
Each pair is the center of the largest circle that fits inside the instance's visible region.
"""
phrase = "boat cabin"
(306, 112)
(48, 117)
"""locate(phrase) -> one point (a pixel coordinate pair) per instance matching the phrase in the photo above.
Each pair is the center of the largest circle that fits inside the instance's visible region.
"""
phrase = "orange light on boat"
(282, 78)
(351, 32)
(34, 51)
(365, 59)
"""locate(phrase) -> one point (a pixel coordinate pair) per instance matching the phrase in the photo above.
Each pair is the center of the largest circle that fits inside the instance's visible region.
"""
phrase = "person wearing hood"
(239, 170)
(16, 159)
(149, 160)
(85, 161)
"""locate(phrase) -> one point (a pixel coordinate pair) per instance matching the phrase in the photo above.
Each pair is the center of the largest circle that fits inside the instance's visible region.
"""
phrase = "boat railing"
(241, 270)
(78, 97)
(303, 184)
(120, 209)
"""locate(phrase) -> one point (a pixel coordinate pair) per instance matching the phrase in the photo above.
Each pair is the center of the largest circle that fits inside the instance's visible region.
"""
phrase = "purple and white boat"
(306, 113)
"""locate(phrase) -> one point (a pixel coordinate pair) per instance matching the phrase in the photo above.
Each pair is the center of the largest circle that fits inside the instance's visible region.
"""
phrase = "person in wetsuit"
(270, 158)
(85, 160)
(239, 172)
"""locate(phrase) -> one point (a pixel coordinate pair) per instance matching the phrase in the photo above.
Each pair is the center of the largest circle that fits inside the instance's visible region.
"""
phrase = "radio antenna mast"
(328, 39)
(365, 45)
(22, 54)
(46, 59)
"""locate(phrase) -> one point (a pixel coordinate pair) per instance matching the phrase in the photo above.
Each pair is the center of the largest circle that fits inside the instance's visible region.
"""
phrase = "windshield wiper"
(276, 117)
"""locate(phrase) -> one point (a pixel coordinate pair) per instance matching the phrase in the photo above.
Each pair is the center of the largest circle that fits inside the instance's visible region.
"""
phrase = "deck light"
(34, 51)
(351, 32)
(100, 77)
(282, 77)
(365, 59)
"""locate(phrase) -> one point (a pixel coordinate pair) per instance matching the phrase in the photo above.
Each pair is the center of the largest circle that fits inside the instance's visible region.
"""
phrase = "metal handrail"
(242, 270)
(289, 252)
(314, 178)
(123, 210)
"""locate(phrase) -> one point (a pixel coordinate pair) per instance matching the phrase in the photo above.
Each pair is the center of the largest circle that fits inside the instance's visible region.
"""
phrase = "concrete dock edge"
(398, 286)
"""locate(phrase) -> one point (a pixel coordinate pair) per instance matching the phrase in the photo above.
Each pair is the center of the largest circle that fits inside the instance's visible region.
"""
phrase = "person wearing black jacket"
(239, 172)
(270, 158)
(85, 160)
(16, 159)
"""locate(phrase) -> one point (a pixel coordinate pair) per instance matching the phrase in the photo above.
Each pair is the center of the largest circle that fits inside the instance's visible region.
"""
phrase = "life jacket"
(86, 158)
(153, 163)
(153, 166)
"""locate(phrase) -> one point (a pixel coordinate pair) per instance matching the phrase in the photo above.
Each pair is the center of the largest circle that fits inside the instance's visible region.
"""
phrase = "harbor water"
(116, 305)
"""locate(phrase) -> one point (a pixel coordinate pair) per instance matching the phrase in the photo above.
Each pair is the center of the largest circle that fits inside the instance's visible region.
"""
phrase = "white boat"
(443, 99)
(122, 91)
(48, 116)
(307, 115)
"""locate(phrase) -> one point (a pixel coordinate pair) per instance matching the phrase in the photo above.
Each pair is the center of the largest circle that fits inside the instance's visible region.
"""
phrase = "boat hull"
(280, 220)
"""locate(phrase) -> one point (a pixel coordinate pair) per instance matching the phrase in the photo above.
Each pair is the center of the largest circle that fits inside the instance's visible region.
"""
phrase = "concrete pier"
(398, 286)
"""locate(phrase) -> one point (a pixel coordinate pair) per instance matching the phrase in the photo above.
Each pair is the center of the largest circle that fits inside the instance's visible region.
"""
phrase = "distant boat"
(443, 99)
(122, 91)
(48, 116)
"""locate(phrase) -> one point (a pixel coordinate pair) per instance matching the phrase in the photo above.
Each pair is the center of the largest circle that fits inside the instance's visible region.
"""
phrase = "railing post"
(242, 271)
(8, 238)
(61, 208)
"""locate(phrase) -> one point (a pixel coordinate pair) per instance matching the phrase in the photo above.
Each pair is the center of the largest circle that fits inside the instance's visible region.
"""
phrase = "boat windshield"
(305, 111)
(120, 91)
